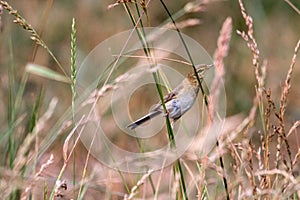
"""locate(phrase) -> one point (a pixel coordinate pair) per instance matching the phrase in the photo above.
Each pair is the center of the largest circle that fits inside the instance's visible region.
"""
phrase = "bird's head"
(202, 68)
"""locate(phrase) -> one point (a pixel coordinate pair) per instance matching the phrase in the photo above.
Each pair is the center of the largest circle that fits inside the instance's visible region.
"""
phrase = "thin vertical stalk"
(200, 86)
(73, 89)
(11, 108)
(146, 48)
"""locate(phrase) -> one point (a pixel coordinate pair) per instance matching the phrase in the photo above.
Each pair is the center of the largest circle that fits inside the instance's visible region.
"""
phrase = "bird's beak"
(203, 67)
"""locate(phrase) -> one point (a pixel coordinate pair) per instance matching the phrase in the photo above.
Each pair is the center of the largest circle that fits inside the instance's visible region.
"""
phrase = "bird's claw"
(166, 114)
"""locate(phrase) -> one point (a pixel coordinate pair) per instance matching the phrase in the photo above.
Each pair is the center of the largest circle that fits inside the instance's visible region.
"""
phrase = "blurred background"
(276, 29)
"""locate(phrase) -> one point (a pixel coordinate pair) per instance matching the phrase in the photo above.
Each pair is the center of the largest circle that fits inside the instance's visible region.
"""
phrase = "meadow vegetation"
(254, 47)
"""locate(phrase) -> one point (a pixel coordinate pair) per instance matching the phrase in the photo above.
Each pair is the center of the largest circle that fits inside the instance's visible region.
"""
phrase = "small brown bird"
(179, 100)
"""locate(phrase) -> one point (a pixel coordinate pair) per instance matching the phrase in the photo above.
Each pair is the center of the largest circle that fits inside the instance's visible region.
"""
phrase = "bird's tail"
(143, 119)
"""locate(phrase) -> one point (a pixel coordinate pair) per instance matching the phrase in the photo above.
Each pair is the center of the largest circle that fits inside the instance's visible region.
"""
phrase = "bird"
(179, 100)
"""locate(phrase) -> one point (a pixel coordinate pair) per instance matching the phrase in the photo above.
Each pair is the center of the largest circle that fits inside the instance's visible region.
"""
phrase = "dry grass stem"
(86, 163)
(44, 166)
(1, 25)
(67, 156)
(219, 55)
(223, 47)
(33, 33)
(195, 6)
(286, 175)
(283, 103)
(184, 24)
(287, 86)
(157, 58)
(193, 176)
(23, 23)
(260, 150)
(249, 37)
(119, 2)
(293, 128)
(21, 158)
(175, 186)
(252, 44)
(97, 94)
(135, 188)
(293, 6)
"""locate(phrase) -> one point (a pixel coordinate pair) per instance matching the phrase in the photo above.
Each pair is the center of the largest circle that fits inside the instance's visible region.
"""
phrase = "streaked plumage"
(179, 100)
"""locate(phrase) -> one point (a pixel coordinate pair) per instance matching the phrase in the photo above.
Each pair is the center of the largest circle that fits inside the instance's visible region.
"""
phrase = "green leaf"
(45, 72)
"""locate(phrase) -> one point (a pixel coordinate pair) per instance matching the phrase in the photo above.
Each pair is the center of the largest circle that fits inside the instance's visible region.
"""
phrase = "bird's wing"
(170, 96)
(167, 98)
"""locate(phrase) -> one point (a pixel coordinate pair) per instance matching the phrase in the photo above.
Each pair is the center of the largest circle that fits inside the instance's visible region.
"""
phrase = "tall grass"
(256, 157)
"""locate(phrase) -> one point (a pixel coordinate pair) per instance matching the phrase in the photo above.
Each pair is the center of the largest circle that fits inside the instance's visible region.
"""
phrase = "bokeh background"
(276, 28)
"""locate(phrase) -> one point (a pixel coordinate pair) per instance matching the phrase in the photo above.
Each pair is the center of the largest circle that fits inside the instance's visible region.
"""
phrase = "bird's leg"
(166, 114)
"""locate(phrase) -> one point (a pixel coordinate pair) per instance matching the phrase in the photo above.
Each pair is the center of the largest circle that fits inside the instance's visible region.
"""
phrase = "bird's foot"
(166, 114)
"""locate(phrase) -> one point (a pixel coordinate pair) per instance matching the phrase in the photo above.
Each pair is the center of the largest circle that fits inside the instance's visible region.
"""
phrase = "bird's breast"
(181, 104)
